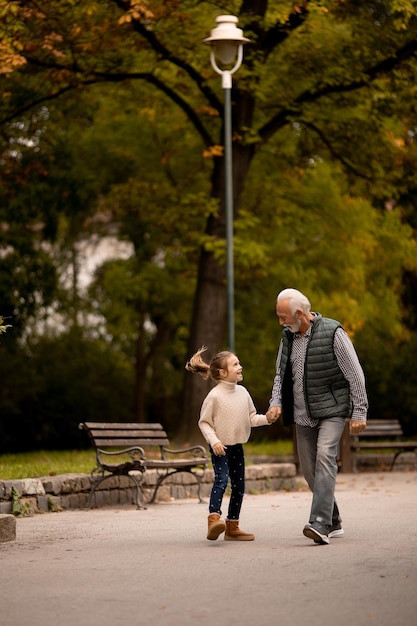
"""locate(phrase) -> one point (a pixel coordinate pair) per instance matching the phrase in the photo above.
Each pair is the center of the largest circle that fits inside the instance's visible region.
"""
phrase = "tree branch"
(115, 77)
(253, 11)
(165, 54)
(172, 95)
(34, 103)
(333, 152)
(383, 67)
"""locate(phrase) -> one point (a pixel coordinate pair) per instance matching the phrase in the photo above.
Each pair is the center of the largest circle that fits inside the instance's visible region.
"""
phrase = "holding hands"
(273, 414)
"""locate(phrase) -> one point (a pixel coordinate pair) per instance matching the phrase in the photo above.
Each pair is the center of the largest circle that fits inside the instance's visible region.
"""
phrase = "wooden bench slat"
(174, 463)
(159, 440)
(411, 445)
(103, 442)
(142, 434)
(383, 429)
(378, 431)
(374, 420)
(122, 426)
(111, 432)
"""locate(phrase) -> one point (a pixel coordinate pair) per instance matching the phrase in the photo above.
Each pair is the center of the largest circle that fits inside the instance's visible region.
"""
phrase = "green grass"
(280, 447)
(56, 462)
(45, 463)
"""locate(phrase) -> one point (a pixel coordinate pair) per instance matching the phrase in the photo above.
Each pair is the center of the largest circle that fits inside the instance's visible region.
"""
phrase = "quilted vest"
(326, 390)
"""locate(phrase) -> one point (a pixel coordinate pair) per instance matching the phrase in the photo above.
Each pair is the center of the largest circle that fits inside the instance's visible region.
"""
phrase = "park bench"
(379, 435)
(120, 451)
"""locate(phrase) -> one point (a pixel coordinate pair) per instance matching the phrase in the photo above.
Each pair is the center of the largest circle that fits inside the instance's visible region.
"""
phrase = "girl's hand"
(219, 449)
(273, 414)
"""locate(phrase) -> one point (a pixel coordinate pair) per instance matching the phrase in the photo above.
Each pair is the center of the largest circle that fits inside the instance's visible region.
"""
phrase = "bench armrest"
(136, 453)
(195, 451)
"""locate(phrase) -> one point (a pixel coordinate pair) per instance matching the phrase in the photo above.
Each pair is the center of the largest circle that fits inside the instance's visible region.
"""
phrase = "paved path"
(112, 567)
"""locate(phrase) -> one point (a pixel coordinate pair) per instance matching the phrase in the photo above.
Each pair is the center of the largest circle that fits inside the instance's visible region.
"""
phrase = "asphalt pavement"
(114, 566)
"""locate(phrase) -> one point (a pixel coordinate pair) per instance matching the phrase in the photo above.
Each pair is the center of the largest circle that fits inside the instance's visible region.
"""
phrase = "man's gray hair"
(297, 300)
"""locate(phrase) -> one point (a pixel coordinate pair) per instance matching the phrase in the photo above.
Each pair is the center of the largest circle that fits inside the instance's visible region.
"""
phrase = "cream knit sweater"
(227, 415)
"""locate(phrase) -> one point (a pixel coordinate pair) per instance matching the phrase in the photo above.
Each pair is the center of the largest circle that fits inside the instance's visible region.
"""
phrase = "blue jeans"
(233, 465)
(317, 451)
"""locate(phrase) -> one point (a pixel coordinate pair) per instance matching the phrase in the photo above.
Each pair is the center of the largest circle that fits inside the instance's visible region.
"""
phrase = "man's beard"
(294, 327)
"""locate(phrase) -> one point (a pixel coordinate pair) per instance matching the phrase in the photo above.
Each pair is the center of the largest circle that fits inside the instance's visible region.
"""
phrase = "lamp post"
(226, 41)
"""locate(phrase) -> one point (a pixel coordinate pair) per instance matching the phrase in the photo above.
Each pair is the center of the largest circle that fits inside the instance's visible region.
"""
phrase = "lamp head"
(226, 38)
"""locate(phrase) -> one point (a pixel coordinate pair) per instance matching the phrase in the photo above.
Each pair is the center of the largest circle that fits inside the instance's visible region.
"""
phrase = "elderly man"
(319, 383)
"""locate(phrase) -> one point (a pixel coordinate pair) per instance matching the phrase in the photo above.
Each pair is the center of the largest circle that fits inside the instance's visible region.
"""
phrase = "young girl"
(226, 418)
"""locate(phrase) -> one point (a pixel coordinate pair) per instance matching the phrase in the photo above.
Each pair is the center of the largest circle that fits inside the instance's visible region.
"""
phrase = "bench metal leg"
(97, 481)
(397, 454)
(139, 504)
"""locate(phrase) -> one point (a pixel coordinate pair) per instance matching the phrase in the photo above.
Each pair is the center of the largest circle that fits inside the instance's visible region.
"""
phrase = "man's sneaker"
(336, 531)
(317, 533)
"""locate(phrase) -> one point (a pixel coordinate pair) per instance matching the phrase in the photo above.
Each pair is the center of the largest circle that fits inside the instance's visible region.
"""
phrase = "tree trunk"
(209, 316)
(207, 328)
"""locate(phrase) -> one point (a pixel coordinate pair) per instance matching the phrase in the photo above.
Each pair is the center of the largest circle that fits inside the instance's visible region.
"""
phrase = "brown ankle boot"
(233, 532)
(216, 526)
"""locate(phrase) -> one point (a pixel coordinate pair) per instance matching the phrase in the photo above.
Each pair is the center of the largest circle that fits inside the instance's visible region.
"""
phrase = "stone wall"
(71, 491)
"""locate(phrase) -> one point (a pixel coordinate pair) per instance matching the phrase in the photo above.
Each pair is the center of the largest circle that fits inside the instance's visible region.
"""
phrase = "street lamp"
(226, 41)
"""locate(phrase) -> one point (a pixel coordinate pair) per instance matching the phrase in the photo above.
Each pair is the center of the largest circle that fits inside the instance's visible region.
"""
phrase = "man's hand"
(273, 414)
(356, 426)
(219, 449)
